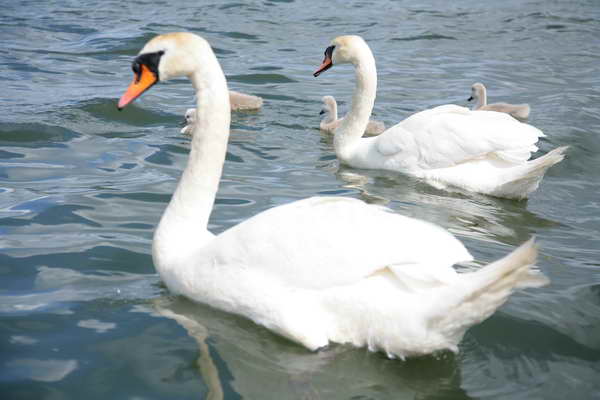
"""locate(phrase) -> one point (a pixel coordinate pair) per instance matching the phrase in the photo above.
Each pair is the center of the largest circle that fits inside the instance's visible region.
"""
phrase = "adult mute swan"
(330, 122)
(238, 102)
(318, 270)
(478, 93)
(447, 146)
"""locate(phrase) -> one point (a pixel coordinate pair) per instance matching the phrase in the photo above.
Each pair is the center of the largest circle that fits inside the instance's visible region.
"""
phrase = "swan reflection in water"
(237, 355)
(465, 214)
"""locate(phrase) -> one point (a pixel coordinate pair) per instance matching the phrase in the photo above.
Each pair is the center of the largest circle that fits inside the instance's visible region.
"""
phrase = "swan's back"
(244, 102)
(374, 128)
(450, 135)
(519, 111)
(329, 126)
(324, 242)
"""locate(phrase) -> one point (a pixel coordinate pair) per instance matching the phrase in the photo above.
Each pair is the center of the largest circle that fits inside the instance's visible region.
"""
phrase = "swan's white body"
(448, 146)
(238, 102)
(330, 122)
(319, 270)
(478, 93)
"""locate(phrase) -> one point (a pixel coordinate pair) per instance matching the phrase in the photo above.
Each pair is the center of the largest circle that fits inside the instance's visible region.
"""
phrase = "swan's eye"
(135, 67)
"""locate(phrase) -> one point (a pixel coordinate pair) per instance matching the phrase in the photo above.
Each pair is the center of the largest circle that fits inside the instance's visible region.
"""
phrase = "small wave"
(233, 202)
(5, 155)
(35, 135)
(240, 35)
(259, 79)
(57, 287)
(105, 109)
(427, 36)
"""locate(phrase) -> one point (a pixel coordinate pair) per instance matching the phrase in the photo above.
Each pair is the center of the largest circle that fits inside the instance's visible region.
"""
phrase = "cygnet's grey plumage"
(478, 93)
(238, 101)
(244, 102)
(330, 122)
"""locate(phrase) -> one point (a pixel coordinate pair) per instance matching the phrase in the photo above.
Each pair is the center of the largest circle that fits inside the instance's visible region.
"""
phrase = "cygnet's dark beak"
(470, 98)
(322, 112)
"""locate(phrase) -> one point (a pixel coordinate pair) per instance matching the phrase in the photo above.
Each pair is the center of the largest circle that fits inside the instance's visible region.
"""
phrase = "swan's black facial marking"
(145, 71)
(151, 60)
(329, 52)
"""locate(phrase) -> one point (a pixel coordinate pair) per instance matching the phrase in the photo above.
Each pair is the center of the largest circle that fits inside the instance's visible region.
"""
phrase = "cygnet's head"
(477, 91)
(329, 104)
(190, 116)
(164, 57)
(343, 50)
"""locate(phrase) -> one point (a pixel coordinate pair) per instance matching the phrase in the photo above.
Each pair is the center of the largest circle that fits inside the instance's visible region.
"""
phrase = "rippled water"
(82, 312)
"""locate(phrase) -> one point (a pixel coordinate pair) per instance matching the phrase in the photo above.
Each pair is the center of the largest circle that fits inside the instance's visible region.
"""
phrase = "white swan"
(330, 122)
(478, 93)
(238, 102)
(447, 146)
(319, 270)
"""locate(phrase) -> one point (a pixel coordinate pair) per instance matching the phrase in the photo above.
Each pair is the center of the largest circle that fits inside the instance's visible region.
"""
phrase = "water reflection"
(466, 214)
(96, 325)
(238, 358)
(199, 333)
(38, 370)
(58, 290)
(523, 352)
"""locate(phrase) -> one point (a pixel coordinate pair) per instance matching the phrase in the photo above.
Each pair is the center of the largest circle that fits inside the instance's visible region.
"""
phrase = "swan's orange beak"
(327, 63)
(141, 82)
(324, 67)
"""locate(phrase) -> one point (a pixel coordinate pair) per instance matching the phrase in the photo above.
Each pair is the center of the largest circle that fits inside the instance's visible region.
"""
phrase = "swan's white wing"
(323, 242)
(449, 135)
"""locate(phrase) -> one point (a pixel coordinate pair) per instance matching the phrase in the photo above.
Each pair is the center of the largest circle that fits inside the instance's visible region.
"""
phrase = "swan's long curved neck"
(186, 216)
(355, 122)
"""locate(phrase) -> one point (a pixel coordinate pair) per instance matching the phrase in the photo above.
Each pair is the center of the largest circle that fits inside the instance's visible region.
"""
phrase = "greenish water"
(83, 313)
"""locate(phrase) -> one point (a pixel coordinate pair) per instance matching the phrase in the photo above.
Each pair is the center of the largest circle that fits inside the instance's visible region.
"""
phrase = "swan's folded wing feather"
(450, 135)
(324, 242)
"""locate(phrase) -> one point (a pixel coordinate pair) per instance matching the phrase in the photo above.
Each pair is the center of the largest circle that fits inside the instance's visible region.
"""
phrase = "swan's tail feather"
(484, 291)
(539, 166)
(527, 178)
(517, 265)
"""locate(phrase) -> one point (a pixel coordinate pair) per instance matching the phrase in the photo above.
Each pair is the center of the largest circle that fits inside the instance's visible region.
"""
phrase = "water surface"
(82, 311)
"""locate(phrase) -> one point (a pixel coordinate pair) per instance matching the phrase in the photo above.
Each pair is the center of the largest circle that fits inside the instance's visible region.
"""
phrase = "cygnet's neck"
(333, 114)
(187, 214)
(355, 122)
(481, 98)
